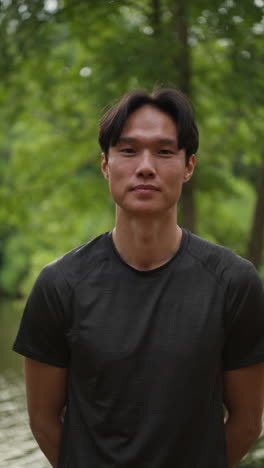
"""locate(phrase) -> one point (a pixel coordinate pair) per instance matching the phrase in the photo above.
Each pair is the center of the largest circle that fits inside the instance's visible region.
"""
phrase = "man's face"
(145, 169)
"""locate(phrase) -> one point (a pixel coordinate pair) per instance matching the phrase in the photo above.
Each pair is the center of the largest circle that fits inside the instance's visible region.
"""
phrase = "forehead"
(148, 120)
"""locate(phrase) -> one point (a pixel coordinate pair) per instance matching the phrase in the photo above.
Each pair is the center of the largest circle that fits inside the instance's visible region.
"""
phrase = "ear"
(104, 166)
(189, 168)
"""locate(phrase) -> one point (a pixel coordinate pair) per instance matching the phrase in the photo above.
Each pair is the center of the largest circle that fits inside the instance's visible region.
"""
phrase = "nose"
(146, 165)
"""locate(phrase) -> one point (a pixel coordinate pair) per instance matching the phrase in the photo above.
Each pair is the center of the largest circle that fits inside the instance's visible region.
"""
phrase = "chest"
(162, 319)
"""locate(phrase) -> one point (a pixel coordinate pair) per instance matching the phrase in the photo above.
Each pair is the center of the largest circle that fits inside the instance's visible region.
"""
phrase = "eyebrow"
(163, 141)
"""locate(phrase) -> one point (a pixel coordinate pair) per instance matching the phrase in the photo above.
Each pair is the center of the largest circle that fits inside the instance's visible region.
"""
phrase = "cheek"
(120, 171)
(117, 180)
(175, 176)
(173, 184)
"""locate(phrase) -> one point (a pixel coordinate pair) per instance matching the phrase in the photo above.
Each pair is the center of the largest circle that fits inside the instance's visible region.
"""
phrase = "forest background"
(64, 62)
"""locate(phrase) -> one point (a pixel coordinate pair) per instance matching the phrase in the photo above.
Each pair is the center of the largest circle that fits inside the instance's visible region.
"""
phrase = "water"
(18, 448)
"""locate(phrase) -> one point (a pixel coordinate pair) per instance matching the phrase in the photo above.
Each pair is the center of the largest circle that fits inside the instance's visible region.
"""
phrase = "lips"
(146, 187)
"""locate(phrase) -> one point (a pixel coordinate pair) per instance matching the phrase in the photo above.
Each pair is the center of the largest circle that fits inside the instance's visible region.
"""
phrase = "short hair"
(170, 101)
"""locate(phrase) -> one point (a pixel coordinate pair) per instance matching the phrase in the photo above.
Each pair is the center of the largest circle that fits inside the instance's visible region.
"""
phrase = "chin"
(145, 210)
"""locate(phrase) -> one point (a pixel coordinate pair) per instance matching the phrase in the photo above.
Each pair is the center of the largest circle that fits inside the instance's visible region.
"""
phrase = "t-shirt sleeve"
(244, 342)
(42, 332)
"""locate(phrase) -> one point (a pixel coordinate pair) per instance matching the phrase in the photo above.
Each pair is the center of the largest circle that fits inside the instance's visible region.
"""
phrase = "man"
(139, 336)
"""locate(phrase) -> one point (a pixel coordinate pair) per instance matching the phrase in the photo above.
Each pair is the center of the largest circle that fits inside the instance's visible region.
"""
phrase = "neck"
(146, 243)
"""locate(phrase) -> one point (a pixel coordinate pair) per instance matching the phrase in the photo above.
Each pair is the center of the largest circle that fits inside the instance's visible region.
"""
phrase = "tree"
(256, 240)
(61, 66)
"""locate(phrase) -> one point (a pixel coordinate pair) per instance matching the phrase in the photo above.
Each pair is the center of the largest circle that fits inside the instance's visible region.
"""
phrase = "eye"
(166, 152)
(128, 151)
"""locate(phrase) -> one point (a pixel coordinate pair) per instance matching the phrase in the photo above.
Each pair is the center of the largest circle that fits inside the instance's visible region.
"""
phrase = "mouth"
(145, 188)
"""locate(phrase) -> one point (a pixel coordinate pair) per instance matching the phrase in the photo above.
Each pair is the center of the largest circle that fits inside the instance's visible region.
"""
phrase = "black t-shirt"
(145, 350)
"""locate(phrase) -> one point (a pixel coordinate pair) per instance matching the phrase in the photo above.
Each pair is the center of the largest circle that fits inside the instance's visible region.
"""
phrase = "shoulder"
(70, 268)
(226, 266)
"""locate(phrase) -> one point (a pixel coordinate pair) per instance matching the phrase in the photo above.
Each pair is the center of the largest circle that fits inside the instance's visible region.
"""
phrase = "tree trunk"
(183, 65)
(156, 17)
(256, 241)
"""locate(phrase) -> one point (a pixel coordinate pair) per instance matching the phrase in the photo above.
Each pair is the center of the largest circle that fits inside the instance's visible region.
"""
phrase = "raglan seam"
(205, 266)
(89, 267)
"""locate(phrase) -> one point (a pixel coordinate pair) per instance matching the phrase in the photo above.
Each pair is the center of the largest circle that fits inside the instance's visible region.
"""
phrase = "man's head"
(148, 145)
(170, 101)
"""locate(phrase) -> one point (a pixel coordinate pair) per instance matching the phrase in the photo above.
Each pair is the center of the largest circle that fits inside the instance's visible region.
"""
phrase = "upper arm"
(244, 392)
(46, 388)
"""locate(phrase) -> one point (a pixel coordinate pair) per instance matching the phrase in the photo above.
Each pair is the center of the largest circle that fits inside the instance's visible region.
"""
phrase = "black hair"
(170, 101)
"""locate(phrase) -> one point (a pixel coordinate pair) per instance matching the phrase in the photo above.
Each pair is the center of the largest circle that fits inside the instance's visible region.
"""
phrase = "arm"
(46, 398)
(243, 398)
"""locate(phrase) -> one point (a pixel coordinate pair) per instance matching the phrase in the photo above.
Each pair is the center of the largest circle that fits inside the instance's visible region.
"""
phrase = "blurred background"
(62, 64)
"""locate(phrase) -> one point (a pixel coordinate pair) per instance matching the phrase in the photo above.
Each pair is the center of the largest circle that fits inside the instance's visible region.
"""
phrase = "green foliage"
(63, 62)
(254, 459)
